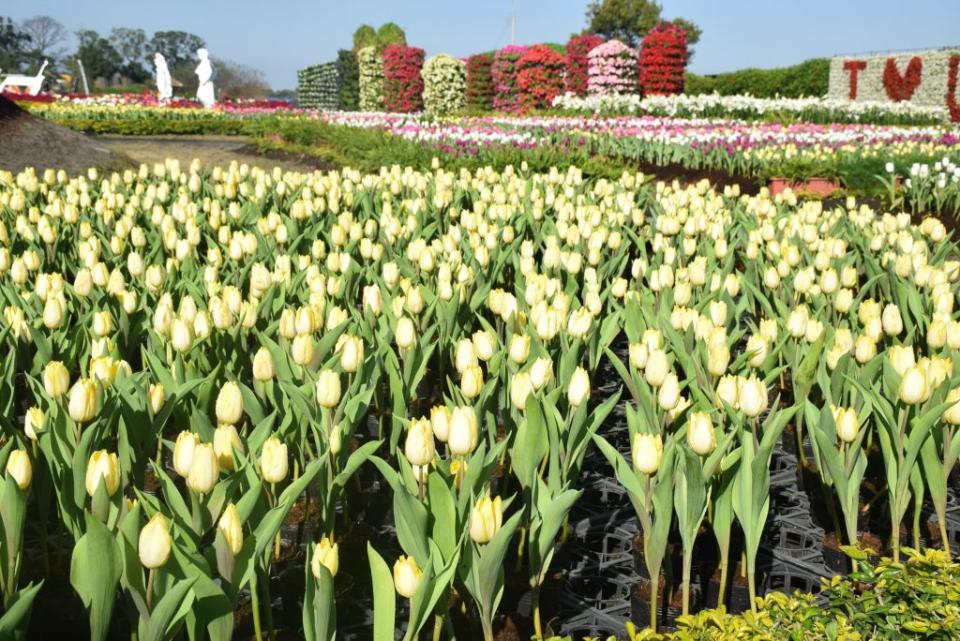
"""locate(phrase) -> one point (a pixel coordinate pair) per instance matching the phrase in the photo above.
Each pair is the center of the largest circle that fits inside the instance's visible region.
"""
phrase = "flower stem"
(255, 606)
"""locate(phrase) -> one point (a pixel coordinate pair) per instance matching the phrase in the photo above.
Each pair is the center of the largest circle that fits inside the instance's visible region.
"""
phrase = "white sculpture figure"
(31, 84)
(206, 74)
(164, 82)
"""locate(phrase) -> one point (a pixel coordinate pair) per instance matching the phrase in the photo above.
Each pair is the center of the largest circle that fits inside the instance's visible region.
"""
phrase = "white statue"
(206, 74)
(164, 82)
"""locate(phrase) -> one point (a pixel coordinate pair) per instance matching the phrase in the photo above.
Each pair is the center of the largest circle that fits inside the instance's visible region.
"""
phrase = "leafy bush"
(349, 74)
(402, 82)
(318, 86)
(663, 59)
(539, 76)
(480, 87)
(504, 73)
(809, 78)
(577, 62)
(444, 85)
(371, 79)
(364, 36)
(390, 34)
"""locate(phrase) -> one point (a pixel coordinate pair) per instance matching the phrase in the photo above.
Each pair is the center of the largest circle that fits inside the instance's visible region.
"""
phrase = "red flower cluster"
(506, 95)
(663, 59)
(854, 67)
(402, 83)
(899, 87)
(540, 76)
(577, 49)
(952, 88)
(480, 89)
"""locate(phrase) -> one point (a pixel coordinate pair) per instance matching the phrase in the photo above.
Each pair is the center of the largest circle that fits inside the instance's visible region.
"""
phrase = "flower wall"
(612, 69)
(480, 87)
(349, 77)
(371, 79)
(504, 73)
(444, 85)
(918, 77)
(318, 86)
(663, 60)
(577, 62)
(540, 77)
(402, 82)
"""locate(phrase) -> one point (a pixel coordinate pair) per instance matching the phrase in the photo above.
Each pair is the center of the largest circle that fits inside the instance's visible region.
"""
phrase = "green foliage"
(100, 59)
(14, 44)
(390, 33)
(630, 20)
(809, 78)
(349, 73)
(364, 36)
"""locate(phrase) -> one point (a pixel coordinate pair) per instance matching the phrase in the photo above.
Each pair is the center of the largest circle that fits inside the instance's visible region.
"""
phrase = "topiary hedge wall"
(402, 82)
(318, 86)
(480, 87)
(809, 78)
(371, 79)
(349, 74)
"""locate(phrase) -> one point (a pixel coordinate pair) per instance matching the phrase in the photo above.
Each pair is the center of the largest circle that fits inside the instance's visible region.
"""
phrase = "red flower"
(540, 76)
(577, 63)
(663, 59)
(902, 87)
(854, 67)
(402, 82)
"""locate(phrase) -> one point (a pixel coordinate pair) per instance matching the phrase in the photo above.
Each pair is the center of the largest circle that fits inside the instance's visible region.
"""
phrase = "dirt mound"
(29, 141)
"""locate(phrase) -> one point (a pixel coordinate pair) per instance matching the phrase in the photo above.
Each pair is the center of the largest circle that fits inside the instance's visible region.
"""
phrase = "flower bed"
(370, 64)
(507, 96)
(318, 86)
(445, 85)
(663, 60)
(539, 77)
(480, 87)
(578, 63)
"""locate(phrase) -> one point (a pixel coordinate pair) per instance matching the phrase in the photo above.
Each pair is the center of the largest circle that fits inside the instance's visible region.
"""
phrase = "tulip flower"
(647, 450)
(952, 414)
(229, 407)
(226, 442)
(204, 469)
(155, 543)
(471, 382)
(520, 389)
(20, 469)
(486, 517)
(701, 437)
(325, 554)
(274, 462)
(419, 446)
(33, 422)
(440, 418)
(56, 379)
(914, 387)
(578, 390)
(183, 450)
(752, 397)
(156, 397)
(405, 334)
(328, 389)
(406, 576)
(847, 423)
(231, 528)
(541, 373)
(519, 348)
(463, 431)
(82, 404)
(263, 368)
(103, 467)
(302, 349)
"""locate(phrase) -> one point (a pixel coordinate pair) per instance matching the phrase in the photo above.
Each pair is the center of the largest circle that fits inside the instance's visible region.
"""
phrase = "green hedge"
(809, 78)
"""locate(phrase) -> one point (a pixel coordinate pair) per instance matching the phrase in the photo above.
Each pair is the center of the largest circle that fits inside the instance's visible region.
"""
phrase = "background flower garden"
(550, 347)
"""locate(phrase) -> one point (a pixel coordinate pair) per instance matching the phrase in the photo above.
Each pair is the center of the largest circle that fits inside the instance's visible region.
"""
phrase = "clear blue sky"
(281, 36)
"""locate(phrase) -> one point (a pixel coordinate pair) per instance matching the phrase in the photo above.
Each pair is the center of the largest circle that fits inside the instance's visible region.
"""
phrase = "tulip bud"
(728, 391)
(155, 542)
(669, 393)
(302, 349)
(483, 345)
(103, 465)
(578, 389)
(82, 405)
(263, 369)
(273, 460)
(519, 348)
(229, 407)
(226, 441)
(914, 387)
(33, 422)
(486, 519)
(156, 396)
(646, 452)
(419, 447)
(440, 417)
(638, 355)
(520, 388)
(657, 368)
(901, 358)
(541, 372)
(183, 450)
(20, 469)
(952, 414)
(471, 381)
(892, 321)
(351, 353)
(847, 423)
(181, 337)
(405, 334)
(204, 469)
(325, 554)
(406, 576)
(465, 356)
(328, 389)
(463, 430)
(56, 379)
(752, 396)
(231, 528)
(864, 349)
(701, 436)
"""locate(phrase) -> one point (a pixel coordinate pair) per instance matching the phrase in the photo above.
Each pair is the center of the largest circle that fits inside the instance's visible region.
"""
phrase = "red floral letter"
(952, 88)
(902, 87)
(854, 67)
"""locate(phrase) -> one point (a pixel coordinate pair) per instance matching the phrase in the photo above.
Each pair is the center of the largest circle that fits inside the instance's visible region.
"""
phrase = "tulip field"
(387, 388)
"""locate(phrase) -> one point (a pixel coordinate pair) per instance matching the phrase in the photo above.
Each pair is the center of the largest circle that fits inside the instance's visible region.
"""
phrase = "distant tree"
(390, 33)
(630, 20)
(100, 59)
(240, 81)
(45, 34)
(131, 44)
(364, 36)
(176, 46)
(14, 45)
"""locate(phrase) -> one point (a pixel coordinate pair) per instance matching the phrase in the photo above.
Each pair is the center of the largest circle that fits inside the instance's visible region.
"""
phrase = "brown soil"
(719, 179)
(29, 141)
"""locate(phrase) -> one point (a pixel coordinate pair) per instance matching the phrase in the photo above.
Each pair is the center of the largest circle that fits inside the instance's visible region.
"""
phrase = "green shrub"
(808, 78)
(390, 34)
(349, 73)
(364, 36)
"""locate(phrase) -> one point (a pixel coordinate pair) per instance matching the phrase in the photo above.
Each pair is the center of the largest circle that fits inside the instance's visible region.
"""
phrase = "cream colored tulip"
(419, 447)
(154, 545)
(486, 518)
(326, 554)
(646, 452)
(274, 462)
(103, 467)
(406, 576)
(229, 406)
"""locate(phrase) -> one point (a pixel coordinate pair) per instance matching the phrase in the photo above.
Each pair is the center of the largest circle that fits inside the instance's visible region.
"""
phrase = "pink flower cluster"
(611, 69)
(507, 95)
